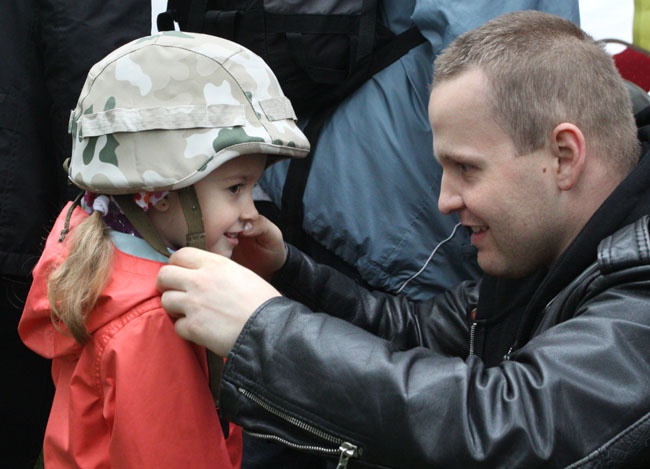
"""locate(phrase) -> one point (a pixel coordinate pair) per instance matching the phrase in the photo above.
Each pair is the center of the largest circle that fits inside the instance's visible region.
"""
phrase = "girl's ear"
(162, 205)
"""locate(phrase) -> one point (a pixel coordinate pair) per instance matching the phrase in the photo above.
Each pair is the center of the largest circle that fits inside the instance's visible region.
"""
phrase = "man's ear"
(569, 148)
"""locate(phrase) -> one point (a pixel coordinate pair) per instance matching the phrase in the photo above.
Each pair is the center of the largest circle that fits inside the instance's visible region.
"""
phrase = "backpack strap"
(367, 26)
(196, 14)
(292, 210)
(189, 14)
(381, 58)
(222, 23)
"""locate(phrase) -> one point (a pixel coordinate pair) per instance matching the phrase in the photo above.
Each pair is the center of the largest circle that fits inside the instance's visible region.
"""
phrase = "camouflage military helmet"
(162, 112)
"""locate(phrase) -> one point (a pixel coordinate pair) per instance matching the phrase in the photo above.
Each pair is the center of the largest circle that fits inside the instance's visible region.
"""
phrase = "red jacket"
(135, 396)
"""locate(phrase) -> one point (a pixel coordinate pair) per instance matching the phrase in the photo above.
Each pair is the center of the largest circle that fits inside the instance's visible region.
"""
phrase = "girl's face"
(226, 198)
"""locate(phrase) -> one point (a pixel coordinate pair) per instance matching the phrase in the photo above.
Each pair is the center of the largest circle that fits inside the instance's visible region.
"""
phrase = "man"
(542, 362)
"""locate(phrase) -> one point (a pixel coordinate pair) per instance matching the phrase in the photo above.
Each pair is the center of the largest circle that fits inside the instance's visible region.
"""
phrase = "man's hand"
(261, 248)
(211, 296)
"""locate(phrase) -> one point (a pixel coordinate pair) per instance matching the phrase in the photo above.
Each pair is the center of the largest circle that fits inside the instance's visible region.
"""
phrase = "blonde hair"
(543, 70)
(74, 287)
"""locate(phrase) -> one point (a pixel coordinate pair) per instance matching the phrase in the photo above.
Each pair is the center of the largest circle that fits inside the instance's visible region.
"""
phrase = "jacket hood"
(132, 282)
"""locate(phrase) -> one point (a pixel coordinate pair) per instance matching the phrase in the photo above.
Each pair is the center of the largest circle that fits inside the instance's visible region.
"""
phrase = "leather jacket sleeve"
(404, 323)
(397, 389)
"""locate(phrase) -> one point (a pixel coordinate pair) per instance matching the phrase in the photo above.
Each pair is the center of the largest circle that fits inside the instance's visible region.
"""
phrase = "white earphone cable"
(433, 253)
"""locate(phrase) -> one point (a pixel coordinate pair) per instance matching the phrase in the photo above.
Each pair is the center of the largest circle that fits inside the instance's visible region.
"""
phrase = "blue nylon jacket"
(372, 193)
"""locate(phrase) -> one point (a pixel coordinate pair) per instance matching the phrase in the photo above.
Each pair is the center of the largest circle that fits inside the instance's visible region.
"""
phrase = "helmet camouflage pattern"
(162, 112)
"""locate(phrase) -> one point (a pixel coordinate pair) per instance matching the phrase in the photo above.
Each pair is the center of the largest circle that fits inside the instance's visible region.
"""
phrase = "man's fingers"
(172, 277)
(263, 231)
(257, 227)
(177, 273)
(174, 301)
(180, 272)
(190, 258)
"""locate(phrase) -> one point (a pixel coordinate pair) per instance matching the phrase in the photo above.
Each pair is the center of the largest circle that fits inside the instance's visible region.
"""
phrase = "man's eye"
(236, 189)
(464, 168)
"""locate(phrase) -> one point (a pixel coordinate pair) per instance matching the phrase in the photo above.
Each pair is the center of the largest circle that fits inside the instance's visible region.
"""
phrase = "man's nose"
(449, 200)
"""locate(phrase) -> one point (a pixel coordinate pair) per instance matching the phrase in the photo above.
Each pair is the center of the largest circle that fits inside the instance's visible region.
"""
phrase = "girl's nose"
(250, 212)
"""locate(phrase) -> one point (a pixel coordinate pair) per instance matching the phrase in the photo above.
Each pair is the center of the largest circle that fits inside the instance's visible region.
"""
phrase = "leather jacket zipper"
(345, 450)
(472, 333)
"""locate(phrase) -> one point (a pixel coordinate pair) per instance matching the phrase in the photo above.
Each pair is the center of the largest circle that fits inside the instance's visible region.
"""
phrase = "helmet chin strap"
(191, 211)
(193, 217)
(141, 222)
(195, 238)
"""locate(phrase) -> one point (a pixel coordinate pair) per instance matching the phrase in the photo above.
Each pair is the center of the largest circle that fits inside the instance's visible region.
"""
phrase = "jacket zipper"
(514, 346)
(345, 450)
(472, 333)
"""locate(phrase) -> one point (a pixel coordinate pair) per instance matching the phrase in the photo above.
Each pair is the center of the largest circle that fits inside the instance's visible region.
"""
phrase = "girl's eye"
(236, 189)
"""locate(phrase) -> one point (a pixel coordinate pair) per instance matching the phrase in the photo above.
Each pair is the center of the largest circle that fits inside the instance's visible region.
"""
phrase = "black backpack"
(320, 50)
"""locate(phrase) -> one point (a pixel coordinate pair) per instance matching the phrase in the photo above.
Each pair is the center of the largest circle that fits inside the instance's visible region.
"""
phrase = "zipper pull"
(506, 357)
(348, 450)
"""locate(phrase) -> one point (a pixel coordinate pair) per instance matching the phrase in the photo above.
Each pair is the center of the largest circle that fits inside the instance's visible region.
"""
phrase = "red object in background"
(633, 63)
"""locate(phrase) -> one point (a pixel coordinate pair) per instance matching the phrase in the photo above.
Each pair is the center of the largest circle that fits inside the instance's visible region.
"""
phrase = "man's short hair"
(544, 70)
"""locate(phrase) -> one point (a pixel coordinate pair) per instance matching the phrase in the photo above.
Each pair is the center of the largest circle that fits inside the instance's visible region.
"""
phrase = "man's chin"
(500, 270)
(492, 267)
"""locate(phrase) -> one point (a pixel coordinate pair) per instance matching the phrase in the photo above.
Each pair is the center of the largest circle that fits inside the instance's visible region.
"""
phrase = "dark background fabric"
(46, 49)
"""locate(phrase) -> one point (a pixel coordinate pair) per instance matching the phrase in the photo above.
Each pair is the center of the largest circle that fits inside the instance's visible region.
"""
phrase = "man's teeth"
(478, 229)
(230, 235)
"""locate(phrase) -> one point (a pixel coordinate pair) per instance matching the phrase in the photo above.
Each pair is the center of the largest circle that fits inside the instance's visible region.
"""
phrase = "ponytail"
(74, 286)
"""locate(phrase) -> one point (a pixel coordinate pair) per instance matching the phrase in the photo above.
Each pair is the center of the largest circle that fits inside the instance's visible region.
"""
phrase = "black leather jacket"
(401, 389)
(412, 396)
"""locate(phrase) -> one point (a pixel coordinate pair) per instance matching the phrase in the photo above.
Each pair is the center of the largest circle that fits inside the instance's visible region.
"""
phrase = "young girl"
(170, 134)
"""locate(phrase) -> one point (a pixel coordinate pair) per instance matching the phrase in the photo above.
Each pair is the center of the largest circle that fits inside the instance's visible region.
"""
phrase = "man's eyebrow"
(453, 156)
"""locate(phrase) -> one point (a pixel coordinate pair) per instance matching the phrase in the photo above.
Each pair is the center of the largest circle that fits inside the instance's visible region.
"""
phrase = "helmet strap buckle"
(193, 217)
